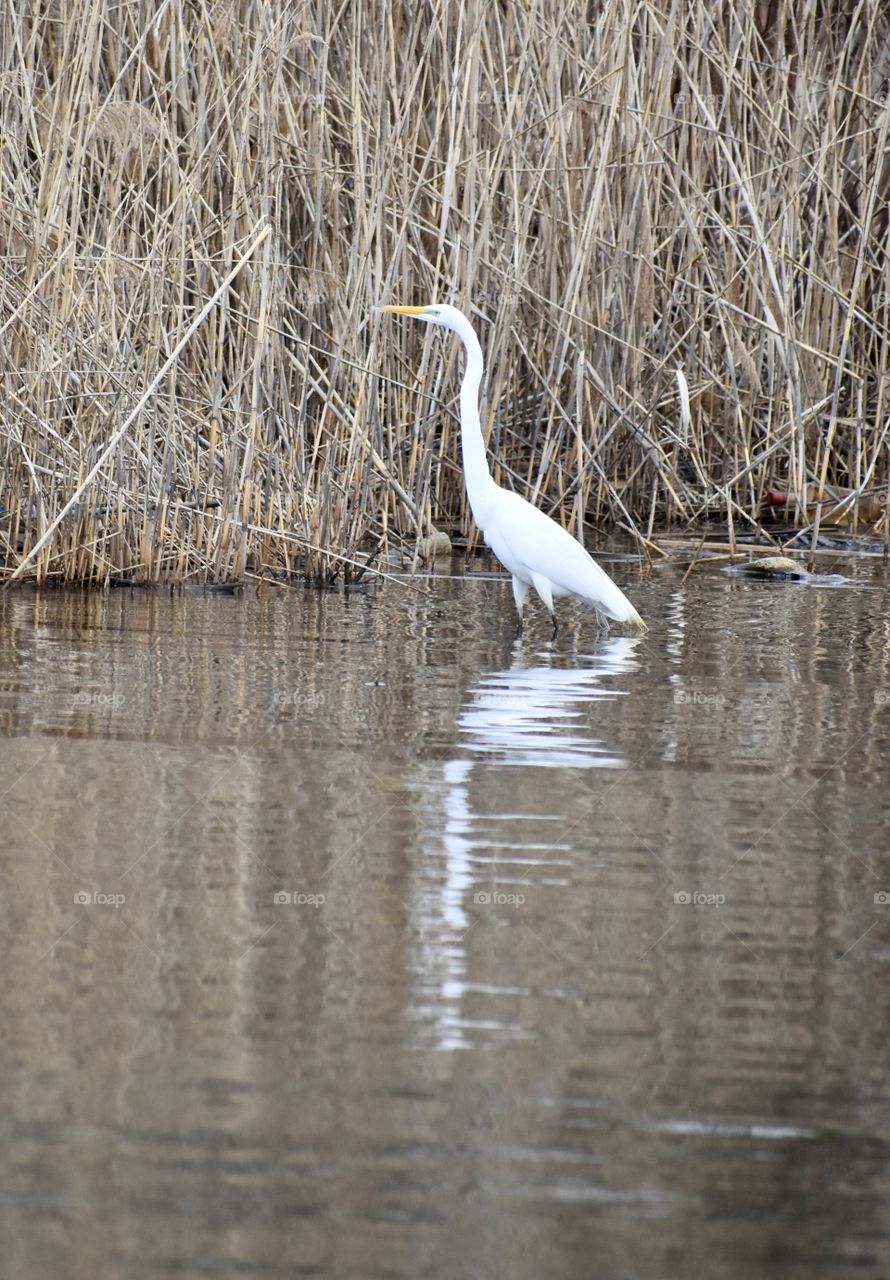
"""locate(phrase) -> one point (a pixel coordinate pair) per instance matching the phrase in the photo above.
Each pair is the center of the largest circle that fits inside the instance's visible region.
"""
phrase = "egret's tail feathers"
(630, 615)
(619, 608)
(635, 618)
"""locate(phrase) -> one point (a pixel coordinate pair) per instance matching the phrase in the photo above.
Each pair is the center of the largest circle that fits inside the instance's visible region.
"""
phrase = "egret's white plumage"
(535, 550)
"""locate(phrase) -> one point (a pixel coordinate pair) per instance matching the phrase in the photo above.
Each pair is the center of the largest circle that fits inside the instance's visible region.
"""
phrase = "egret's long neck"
(481, 489)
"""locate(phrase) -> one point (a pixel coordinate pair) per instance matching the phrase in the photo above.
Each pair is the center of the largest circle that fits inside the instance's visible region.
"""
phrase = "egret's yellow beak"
(404, 311)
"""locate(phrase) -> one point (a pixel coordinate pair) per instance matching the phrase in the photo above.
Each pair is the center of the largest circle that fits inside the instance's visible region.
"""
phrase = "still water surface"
(351, 936)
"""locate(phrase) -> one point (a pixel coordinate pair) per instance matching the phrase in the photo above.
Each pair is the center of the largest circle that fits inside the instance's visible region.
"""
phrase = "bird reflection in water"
(537, 714)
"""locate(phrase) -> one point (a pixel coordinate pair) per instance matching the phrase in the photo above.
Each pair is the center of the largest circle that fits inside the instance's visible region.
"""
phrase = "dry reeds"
(618, 191)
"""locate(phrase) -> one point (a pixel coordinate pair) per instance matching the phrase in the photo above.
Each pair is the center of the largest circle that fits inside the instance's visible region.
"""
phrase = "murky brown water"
(346, 936)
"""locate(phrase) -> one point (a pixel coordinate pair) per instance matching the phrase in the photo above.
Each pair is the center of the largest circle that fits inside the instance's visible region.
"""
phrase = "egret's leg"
(542, 586)
(520, 591)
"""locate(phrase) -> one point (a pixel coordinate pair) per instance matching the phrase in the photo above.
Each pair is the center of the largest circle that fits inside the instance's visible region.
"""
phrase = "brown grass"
(616, 191)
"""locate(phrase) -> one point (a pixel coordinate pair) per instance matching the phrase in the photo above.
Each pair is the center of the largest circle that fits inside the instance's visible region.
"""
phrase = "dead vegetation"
(617, 191)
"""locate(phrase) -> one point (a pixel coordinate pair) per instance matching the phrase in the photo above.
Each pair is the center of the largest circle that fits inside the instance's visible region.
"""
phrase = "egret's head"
(437, 313)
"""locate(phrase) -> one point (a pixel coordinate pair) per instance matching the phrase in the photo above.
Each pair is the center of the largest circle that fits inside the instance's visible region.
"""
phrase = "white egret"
(534, 549)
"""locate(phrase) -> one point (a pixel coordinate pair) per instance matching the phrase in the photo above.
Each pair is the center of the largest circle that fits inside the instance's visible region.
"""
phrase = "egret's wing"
(526, 541)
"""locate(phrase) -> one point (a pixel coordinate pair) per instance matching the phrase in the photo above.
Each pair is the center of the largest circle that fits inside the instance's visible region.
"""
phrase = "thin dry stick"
(33, 290)
(694, 560)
